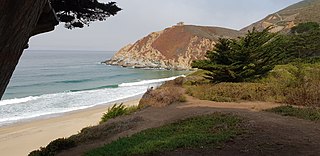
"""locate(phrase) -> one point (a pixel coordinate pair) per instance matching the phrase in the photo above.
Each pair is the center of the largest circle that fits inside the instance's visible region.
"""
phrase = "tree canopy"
(77, 13)
(305, 27)
(243, 59)
(254, 55)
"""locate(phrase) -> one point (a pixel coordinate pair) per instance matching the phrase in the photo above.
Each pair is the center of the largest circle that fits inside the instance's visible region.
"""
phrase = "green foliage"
(245, 59)
(117, 110)
(304, 88)
(303, 46)
(305, 27)
(196, 132)
(312, 114)
(54, 147)
(77, 13)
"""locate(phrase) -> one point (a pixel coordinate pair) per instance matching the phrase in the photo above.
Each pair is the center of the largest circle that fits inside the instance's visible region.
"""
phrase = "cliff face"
(172, 48)
(284, 20)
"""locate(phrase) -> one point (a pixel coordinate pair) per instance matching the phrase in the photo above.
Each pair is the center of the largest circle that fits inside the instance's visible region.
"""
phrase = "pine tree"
(244, 59)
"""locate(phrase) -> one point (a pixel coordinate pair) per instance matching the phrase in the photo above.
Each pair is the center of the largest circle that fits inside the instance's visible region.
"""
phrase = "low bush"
(305, 89)
(117, 110)
(54, 147)
(167, 94)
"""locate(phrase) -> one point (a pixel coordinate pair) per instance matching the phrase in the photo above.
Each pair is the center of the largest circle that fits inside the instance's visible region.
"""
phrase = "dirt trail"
(268, 133)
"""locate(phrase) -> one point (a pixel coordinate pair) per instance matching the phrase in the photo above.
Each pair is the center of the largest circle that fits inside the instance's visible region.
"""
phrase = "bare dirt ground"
(267, 133)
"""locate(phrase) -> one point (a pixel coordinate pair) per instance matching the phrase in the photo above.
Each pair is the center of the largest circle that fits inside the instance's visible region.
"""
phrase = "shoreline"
(23, 137)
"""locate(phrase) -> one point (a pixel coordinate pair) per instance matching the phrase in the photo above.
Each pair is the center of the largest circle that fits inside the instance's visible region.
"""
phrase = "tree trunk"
(18, 19)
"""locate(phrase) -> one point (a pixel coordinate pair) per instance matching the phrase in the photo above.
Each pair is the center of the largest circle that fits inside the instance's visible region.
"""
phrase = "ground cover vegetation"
(312, 114)
(203, 131)
(262, 66)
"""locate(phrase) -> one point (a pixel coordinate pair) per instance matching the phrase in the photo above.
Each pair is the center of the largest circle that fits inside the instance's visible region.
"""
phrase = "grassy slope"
(203, 131)
(292, 84)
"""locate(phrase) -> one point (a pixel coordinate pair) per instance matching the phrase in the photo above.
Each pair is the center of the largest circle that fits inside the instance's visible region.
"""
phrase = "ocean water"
(47, 83)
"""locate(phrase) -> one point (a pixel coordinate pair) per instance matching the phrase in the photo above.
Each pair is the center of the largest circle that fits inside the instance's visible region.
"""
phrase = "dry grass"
(169, 93)
(228, 92)
(297, 84)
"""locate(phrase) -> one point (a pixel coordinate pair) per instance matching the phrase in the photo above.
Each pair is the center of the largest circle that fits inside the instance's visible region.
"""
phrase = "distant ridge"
(285, 19)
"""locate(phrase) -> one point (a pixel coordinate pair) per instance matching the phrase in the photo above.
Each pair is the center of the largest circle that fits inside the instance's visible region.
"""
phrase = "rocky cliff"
(178, 46)
(173, 48)
(284, 20)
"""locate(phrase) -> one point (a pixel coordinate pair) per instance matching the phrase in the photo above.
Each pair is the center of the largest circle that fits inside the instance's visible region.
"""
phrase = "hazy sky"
(140, 17)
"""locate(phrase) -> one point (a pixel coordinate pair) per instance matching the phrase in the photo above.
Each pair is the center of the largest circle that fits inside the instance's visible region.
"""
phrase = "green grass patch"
(206, 131)
(118, 110)
(312, 114)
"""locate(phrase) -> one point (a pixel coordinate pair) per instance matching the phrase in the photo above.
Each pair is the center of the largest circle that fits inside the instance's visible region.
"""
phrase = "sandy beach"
(22, 138)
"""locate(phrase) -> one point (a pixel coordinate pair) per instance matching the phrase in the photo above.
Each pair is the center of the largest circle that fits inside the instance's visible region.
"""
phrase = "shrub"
(305, 27)
(182, 98)
(304, 89)
(167, 94)
(54, 147)
(117, 110)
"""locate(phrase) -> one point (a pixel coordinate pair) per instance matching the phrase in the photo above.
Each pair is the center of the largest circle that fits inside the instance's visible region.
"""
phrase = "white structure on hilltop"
(180, 24)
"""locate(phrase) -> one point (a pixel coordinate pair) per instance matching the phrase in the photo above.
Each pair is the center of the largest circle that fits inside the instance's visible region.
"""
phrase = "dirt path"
(268, 134)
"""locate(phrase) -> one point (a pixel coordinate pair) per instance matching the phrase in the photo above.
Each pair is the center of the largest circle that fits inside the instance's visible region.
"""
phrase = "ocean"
(48, 83)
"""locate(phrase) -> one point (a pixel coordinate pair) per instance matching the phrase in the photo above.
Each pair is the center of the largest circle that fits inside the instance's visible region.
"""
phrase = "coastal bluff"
(173, 48)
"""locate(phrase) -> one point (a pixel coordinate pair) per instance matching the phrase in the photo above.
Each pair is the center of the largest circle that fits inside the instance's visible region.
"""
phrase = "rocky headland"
(178, 46)
(173, 48)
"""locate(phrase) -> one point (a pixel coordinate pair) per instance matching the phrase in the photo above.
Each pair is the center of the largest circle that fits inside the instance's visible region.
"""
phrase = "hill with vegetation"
(285, 19)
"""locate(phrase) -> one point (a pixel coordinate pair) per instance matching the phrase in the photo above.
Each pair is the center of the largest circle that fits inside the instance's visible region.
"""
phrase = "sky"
(141, 17)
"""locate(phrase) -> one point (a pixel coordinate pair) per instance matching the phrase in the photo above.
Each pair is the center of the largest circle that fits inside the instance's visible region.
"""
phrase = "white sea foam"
(17, 100)
(14, 110)
(146, 82)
